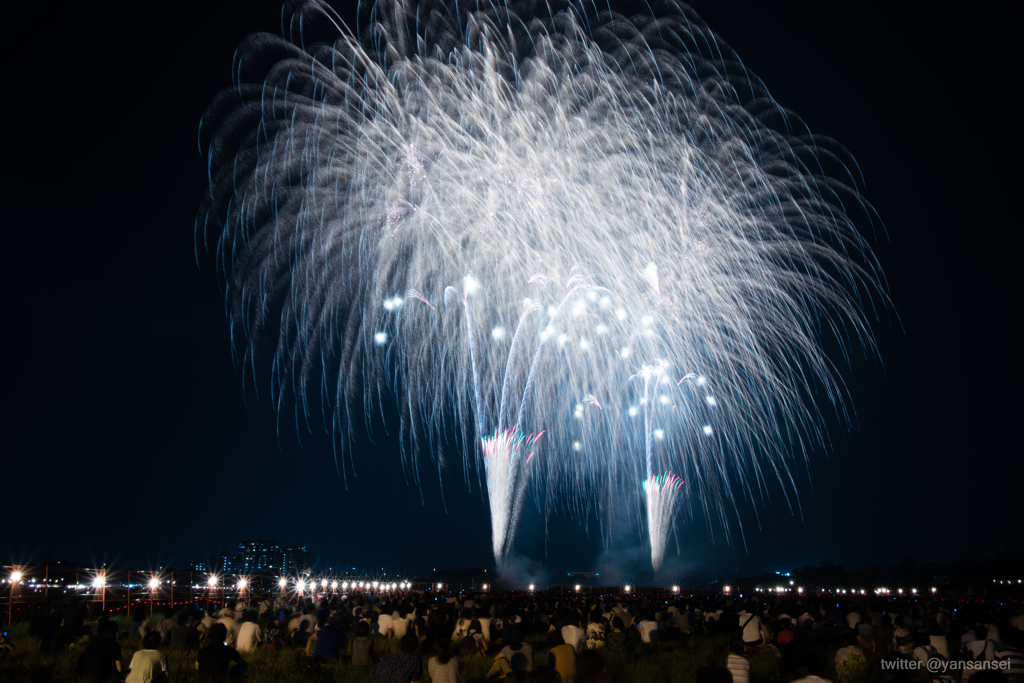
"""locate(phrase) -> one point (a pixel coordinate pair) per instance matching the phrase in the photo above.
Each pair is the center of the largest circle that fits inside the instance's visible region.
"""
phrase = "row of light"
(301, 585)
(852, 591)
(243, 583)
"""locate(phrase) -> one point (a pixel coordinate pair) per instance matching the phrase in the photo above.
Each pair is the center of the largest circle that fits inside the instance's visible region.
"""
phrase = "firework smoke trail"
(621, 193)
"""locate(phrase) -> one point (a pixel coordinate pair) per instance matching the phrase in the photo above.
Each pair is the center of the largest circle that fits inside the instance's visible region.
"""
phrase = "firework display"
(592, 247)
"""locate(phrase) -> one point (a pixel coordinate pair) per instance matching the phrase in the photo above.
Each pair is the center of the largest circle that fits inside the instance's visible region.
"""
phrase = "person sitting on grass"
(444, 667)
(515, 656)
(180, 637)
(148, 665)
(616, 640)
(362, 646)
(751, 625)
(383, 625)
(164, 626)
(56, 636)
(330, 641)
(572, 633)
(249, 634)
(595, 630)
(214, 662)
(274, 639)
(230, 624)
(850, 658)
(738, 665)
(785, 635)
(400, 623)
(101, 659)
(648, 628)
(590, 670)
(473, 642)
(562, 658)
(716, 670)
(808, 668)
(401, 667)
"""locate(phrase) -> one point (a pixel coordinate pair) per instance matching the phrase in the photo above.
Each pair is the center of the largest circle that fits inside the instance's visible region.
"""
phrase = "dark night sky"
(129, 440)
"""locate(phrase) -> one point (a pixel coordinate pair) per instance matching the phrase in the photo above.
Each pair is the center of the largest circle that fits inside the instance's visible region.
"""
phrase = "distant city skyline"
(259, 556)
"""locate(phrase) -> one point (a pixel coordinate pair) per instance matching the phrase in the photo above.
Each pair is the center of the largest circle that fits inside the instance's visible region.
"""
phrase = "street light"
(626, 588)
(15, 578)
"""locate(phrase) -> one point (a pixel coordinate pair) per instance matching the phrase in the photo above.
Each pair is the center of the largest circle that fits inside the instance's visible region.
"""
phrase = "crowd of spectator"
(575, 630)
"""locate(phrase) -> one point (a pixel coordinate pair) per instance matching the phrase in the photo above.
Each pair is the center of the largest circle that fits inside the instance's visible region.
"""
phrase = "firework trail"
(518, 218)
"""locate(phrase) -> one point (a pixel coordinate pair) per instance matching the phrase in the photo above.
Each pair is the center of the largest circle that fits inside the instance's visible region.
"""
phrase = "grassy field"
(666, 662)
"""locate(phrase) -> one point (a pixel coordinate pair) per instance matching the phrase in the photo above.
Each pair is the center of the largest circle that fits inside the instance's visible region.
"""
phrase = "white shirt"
(646, 628)
(400, 626)
(923, 655)
(445, 673)
(232, 626)
(146, 664)
(384, 623)
(751, 627)
(572, 635)
(978, 647)
(521, 659)
(249, 636)
(940, 645)
(740, 668)
(485, 627)
(308, 621)
(625, 615)
(461, 628)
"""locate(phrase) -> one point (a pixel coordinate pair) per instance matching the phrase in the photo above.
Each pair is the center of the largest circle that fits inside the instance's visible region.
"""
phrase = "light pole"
(154, 583)
(100, 582)
(15, 578)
